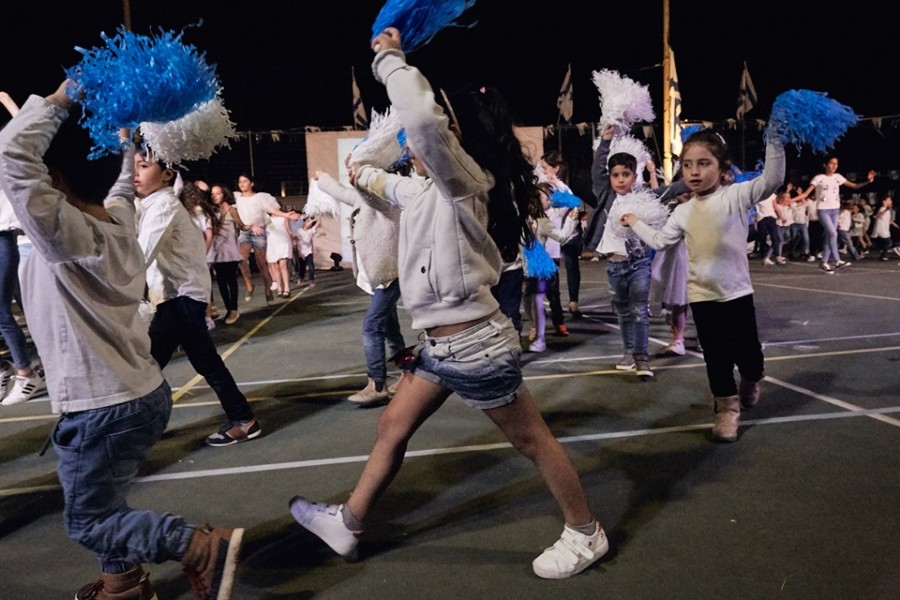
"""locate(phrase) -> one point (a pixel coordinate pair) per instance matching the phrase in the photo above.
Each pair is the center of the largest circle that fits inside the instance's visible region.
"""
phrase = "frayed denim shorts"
(481, 363)
(255, 241)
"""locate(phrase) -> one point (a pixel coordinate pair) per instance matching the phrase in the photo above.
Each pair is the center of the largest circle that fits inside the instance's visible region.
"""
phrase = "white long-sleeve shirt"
(714, 228)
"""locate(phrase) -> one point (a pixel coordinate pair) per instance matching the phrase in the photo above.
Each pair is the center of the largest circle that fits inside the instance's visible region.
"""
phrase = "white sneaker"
(7, 371)
(675, 348)
(571, 554)
(537, 346)
(25, 387)
(768, 262)
(325, 521)
(210, 324)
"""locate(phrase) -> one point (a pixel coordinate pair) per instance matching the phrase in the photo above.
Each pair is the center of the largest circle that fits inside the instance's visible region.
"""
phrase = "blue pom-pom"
(419, 20)
(564, 199)
(537, 262)
(687, 130)
(803, 117)
(138, 78)
(401, 138)
(742, 176)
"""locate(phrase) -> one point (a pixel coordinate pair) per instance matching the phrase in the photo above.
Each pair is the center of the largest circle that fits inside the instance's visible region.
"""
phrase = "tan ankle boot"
(728, 417)
(130, 585)
(210, 561)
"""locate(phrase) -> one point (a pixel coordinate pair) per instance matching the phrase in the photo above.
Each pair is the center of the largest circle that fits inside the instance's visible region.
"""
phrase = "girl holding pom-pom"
(713, 224)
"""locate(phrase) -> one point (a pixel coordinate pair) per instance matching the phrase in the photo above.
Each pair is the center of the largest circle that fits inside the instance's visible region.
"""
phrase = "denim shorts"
(255, 241)
(480, 364)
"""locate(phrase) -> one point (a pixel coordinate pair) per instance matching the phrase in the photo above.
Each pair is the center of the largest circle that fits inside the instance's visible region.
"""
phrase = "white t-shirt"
(255, 209)
(828, 190)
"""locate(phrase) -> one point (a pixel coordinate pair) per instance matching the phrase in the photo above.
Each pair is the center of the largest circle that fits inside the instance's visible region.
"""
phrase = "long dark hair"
(487, 135)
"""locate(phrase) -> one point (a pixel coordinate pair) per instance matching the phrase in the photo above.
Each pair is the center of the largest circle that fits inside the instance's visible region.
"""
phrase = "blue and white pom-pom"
(136, 78)
(195, 136)
(623, 102)
(744, 176)
(419, 20)
(381, 147)
(688, 130)
(804, 117)
(564, 199)
(318, 202)
(644, 205)
(537, 262)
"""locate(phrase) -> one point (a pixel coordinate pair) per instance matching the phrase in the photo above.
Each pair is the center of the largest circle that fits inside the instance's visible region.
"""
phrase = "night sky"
(286, 64)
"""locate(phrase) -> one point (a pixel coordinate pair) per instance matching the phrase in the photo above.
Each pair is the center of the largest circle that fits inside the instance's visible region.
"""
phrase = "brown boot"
(211, 562)
(728, 416)
(748, 392)
(131, 585)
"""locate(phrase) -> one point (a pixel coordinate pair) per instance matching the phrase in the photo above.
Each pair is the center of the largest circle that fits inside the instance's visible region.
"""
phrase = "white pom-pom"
(631, 145)
(539, 173)
(380, 148)
(194, 136)
(318, 202)
(644, 205)
(623, 102)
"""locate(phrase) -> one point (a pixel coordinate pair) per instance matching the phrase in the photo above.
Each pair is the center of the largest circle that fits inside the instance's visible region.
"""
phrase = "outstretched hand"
(9, 103)
(387, 40)
(59, 97)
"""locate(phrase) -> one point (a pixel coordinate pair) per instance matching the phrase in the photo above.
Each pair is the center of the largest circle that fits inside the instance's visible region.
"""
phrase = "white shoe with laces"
(571, 554)
(25, 387)
(326, 521)
(7, 371)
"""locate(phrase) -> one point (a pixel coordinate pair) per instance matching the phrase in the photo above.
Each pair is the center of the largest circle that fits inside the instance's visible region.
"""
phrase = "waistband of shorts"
(475, 326)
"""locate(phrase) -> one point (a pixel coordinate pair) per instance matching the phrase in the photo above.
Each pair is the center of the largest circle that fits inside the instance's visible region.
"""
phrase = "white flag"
(564, 101)
(746, 95)
(674, 106)
(360, 120)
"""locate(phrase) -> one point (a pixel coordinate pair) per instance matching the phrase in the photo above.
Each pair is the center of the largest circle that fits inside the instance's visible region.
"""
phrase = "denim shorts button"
(423, 269)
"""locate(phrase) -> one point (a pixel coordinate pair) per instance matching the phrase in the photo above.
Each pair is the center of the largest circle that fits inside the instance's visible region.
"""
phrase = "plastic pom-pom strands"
(383, 144)
(419, 20)
(318, 202)
(195, 136)
(136, 79)
(644, 205)
(537, 262)
(804, 117)
(563, 199)
(623, 102)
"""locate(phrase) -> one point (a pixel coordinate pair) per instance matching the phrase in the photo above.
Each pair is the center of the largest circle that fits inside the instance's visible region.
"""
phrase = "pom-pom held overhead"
(644, 205)
(537, 262)
(419, 20)
(195, 136)
(743, 176)
(318, 202)
(804, 117)
(381, 147)
(564, 199)
(623, 102)
(137, 78)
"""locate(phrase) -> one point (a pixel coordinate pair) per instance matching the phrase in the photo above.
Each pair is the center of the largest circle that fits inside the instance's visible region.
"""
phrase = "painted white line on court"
(830, 339)
(832, 401)
(802, 289)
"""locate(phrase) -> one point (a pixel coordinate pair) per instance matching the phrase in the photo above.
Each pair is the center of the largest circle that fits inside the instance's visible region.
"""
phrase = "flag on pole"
(674, 106)
(746, 95)
(564, 101)
(360, 120)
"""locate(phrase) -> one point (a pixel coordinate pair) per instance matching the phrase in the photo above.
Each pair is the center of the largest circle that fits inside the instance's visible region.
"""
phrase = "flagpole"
(668, 124)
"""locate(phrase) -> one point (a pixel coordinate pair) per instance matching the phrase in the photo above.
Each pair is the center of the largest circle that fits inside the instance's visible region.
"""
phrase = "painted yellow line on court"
(231, 350)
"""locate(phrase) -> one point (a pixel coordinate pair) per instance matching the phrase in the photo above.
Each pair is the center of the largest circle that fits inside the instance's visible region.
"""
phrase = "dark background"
(286, 65)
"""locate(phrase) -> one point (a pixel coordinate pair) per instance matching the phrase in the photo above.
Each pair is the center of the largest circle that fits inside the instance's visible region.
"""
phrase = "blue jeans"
(182, 322)
(800, 237)
(844, 238)
(379, 325)
(100, 452)
(9, 282)
(828, 220)
(629, 285)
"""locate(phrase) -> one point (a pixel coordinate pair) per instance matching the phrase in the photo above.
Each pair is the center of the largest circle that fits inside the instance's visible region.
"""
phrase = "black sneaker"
(642, 367)
(826, 268)
(234, 432)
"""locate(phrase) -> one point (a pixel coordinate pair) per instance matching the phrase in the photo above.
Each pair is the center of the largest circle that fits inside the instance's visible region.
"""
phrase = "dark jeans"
(556, 311)
(571, 254)
(727, 331)
(307, 264)
(767, 228)
(226, 278)
(9, 282)
(381, 325)
(100, 452)
(182, 322)
(508, 293)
